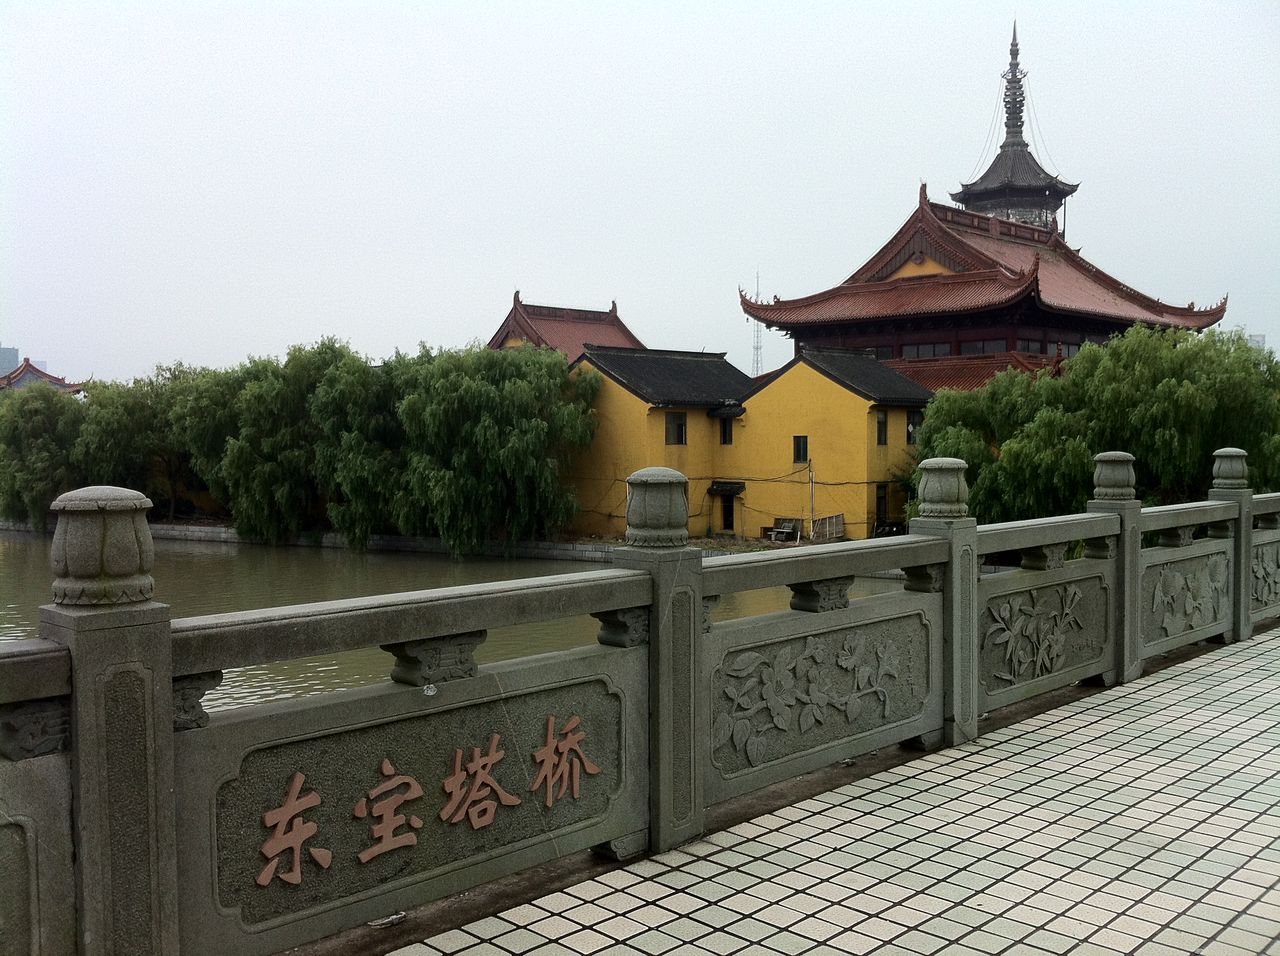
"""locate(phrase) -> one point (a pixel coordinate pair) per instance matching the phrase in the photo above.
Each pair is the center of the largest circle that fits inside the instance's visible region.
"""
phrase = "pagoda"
(990, 277)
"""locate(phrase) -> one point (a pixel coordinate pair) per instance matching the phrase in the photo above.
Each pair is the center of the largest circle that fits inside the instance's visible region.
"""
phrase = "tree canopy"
(1169, 398)
(465, 445)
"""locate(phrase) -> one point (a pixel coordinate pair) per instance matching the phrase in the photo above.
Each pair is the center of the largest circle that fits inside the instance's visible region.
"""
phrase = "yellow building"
(822, 440)
(813, 448)
(655, 407)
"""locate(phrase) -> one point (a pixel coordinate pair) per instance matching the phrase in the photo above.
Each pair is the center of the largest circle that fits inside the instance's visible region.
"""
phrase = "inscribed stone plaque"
(15, 902)
(358, 811)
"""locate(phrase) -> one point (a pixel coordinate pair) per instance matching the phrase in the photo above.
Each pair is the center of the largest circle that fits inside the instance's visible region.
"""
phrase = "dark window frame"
(677, 428)
(882, 426)
(726, 431)
(800, 449)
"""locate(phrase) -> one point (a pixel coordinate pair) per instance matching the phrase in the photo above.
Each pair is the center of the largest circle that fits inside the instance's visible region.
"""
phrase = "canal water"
(196, 577)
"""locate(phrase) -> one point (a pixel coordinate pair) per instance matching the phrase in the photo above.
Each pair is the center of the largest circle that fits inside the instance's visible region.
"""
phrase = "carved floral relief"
(1188, 597)
(798, 694)
(1041, 631)
(1265, 589)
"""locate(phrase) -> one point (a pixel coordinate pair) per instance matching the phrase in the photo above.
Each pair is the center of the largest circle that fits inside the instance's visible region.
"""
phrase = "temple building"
(992, 277)
(28, 373)
(567, 330)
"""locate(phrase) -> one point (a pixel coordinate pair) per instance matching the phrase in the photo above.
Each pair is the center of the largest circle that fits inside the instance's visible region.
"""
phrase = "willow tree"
(1169, 398)
(487, 433)
(38, 429)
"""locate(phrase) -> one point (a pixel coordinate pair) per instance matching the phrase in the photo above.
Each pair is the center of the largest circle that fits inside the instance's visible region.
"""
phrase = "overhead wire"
(991, 132)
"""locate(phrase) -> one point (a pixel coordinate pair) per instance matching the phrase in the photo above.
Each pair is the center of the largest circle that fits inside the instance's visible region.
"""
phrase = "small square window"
(882, 426)
(677, 428)
(799, 448)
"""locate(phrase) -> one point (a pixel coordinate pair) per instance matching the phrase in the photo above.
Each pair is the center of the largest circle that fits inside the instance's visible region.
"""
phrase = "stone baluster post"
(1114, 493)
(122, 721)
(944, 510)
(1231, 483)
(657, 542)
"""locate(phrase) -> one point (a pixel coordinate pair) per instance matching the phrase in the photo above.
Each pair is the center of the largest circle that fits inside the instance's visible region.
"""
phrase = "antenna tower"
(757, 338)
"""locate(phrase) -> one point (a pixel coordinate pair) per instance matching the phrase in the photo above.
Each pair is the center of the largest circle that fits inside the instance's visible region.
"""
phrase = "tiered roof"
(28, 374)
(567, 330)
(1015, 180)
(996, 262)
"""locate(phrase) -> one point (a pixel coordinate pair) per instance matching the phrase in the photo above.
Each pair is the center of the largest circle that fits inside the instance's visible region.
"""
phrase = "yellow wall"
(840, 425)
(929, 267)
(631, 435)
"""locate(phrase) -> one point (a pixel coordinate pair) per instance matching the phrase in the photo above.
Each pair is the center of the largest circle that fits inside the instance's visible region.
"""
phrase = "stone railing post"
(944, 513)
(657, 542)
(1231, 483)
(1114, 493)
(121, 718)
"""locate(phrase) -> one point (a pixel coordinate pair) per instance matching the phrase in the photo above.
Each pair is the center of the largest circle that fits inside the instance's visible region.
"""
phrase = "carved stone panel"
(1265, 587)
(775, 700)
(35, 727)
(312, 821)
(1182, 596)
(1041, 631)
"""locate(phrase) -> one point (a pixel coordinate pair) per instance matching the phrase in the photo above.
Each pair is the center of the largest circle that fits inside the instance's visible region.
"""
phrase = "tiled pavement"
(1143, 819)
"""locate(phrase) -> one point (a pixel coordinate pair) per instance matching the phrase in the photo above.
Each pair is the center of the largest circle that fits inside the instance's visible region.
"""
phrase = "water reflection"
(197, 577)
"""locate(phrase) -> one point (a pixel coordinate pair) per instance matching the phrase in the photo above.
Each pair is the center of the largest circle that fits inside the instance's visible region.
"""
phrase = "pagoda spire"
(1014, 96)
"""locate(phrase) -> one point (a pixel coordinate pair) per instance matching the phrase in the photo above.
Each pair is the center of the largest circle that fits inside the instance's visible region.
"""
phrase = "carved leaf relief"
(793, 689)
(1190, 598)
(1032, 630)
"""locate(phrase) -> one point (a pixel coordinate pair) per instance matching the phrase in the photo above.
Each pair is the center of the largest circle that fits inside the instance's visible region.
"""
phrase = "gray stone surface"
(657, 509)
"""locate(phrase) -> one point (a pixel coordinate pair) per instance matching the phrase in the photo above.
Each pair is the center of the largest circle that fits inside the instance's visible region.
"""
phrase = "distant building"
(655, 407)
(995, 280)
(28, 373)
(8, 359)
(567, 330)
(808, 451)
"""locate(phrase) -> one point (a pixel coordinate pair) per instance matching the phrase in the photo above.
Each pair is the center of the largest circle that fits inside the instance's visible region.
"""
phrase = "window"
(677, 428)
(1031, 345)
(927, 350)
(882, 426)
(726, 431)
(884, 352)
(983, 346)
(882, 504)
(799, 448)
(915, 418)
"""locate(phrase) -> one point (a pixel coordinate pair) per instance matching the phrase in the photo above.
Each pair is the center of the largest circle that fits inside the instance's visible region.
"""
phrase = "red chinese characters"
(291, 832)
(472, 790)
(561, 761)
(395, 791)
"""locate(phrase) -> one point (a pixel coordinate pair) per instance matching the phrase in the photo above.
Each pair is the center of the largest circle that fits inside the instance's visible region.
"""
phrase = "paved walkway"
(1145, 819)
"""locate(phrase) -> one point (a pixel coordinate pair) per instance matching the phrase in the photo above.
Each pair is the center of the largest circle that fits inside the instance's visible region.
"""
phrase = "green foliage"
(1169, 398)
(359, 452)
(485, 435)
(38, 429)
(268, 467)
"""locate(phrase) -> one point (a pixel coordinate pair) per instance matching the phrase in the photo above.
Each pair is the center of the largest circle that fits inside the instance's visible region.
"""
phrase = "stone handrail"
(667, 714)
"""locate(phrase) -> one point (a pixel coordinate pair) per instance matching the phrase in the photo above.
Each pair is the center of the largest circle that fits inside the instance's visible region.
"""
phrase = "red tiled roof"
(567, 330)
(967, 372)
(28, 374)
(997, 262)
(918, 295)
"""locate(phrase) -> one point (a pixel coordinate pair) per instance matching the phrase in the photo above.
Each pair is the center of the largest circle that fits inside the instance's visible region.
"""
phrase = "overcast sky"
(205, 182)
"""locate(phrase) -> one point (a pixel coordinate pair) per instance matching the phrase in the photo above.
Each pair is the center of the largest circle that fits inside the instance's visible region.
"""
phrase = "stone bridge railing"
(133, 822)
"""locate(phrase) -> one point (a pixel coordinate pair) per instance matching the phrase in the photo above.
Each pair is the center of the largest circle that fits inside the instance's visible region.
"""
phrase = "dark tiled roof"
(1014, 169)
(564, 329)
(692, 379)
(864, 374)
(968, 372)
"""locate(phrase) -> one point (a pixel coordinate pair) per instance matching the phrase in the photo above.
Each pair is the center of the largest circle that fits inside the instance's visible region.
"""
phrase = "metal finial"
(1014, 96)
